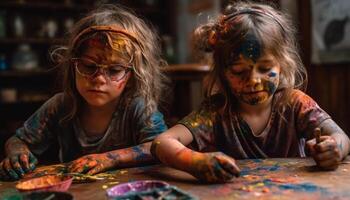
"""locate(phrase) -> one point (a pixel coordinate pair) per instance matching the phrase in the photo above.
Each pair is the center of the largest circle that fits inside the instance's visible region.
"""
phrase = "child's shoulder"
(294, 97)
(56, 99)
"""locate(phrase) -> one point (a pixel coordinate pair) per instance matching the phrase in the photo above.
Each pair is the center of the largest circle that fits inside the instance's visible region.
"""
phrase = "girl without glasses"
(254, 108)
(107, 114)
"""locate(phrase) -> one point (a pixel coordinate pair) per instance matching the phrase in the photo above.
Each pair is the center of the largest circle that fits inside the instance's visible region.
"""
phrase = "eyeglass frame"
(102, 67)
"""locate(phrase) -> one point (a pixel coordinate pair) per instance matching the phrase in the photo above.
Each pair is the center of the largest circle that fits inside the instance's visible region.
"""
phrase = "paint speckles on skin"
(251, 47)
(272, 74)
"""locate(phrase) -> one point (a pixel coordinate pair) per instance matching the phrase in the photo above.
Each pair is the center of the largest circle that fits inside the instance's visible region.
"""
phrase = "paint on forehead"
(118, 44)
(251, 47)
(96, 42)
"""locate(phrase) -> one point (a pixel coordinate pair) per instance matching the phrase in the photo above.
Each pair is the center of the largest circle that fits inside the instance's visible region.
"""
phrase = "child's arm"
(170, 148)
(332, 148)
(95, 163)
(19, 160)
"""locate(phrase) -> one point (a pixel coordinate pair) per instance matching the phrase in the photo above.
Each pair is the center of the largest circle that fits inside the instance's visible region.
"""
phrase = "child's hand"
(214, 167)
(325, 153)
(16, 164)
(91, 164)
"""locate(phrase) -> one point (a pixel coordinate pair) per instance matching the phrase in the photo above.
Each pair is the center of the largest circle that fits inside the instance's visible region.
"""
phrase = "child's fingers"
(228, 164)
(3, 175)
(16, 166)
(218, 174)
(95, 170)
(328, 164)
(310, 147)
(24, 160)
(8, 168)
(33, 161)
(328, 155)
(326, 144)
(83, 168)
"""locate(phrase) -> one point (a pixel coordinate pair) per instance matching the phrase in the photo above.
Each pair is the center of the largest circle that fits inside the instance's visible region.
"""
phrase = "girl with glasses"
(255, 107)
(107, 114)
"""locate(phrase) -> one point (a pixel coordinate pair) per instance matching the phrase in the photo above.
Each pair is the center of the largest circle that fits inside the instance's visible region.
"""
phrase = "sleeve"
(309, 114)
(36, 131)
(146, 132)
(201, 124)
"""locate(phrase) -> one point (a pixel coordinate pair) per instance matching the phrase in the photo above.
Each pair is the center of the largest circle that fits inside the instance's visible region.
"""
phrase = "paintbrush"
(317, 133)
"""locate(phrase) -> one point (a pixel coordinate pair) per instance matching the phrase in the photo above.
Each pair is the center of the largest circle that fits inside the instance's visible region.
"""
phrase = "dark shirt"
(127, 128)
(283, 136)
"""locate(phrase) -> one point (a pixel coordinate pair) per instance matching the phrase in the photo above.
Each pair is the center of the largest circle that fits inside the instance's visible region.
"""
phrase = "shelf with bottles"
(47, 5)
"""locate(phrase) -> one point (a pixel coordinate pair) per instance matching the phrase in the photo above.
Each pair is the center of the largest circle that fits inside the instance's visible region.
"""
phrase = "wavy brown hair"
(220, 37)
(147, 81)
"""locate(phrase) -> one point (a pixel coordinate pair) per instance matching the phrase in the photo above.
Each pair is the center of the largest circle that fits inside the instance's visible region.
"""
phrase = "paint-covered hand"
(18, 162)
(92, 164)
(326, 152)
(214, 167)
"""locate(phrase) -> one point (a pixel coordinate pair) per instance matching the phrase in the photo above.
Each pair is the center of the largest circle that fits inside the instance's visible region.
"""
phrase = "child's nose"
(100, 75)
(254, 77)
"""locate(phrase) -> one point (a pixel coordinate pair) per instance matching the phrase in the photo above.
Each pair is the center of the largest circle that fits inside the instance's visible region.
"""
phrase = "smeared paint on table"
(260, 179)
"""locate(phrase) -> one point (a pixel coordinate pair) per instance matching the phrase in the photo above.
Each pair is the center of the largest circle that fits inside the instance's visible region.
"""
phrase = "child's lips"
(96, 91)
(253, 92)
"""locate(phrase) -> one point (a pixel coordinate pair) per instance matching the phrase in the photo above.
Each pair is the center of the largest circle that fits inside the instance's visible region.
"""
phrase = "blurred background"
(28, 28)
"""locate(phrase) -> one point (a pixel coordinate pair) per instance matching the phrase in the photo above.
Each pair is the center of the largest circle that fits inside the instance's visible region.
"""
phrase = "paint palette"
(48, 196)
(58, 183)
(148, 189)
(136, 186)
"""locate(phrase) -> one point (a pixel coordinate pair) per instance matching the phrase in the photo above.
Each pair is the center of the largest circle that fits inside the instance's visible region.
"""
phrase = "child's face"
(253, 82)
(100, 89)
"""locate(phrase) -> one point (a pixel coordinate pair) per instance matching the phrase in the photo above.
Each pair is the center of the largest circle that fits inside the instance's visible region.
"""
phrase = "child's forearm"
(343, 143)
(132, 156)
(173, 153)
(329, 127)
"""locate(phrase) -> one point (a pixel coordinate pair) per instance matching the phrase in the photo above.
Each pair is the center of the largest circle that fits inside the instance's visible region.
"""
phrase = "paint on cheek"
(272, 74)
(271, 87)
(250, 48)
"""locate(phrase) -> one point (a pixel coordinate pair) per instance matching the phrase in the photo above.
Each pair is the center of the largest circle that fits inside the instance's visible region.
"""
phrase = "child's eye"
(264, 69)
(237, 72)
(115, 70)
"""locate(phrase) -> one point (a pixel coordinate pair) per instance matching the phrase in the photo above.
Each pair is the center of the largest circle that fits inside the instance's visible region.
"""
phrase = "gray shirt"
(127, 128)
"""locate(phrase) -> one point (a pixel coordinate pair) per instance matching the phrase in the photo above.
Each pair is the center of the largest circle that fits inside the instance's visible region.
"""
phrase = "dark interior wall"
(328, 83)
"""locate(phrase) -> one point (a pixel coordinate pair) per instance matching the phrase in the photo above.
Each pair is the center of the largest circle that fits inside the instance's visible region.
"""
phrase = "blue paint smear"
(298, 187)
(247, 170)
(269, 168)
(257, 160)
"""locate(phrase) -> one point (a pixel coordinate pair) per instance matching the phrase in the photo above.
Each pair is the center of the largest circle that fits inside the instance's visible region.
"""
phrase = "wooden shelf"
(18, 110)
(189, 72)
(13, 41)
(23, 74)
(44, 6)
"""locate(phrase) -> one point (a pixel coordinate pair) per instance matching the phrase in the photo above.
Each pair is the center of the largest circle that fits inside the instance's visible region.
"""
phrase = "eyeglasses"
(89, 69)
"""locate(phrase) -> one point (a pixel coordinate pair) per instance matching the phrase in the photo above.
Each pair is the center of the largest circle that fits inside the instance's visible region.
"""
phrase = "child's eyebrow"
(267, 60)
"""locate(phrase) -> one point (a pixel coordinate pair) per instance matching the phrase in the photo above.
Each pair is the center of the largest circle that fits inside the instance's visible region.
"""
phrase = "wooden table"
(260, 179)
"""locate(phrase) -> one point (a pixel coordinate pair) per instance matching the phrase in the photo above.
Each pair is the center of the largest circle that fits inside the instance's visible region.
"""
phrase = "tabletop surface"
(295, 178)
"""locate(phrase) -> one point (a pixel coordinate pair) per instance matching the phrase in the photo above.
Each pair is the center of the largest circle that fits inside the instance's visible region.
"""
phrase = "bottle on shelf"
(3, 62)
(18, 26)
(25, 58)
(2, 24)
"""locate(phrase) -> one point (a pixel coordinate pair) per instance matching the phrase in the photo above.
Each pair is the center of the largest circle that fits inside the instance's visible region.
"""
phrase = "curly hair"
(140, 47)
(221, 36)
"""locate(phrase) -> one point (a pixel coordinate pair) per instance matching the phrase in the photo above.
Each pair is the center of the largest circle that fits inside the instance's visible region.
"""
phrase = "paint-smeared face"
(99, 90)
(253, 82)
